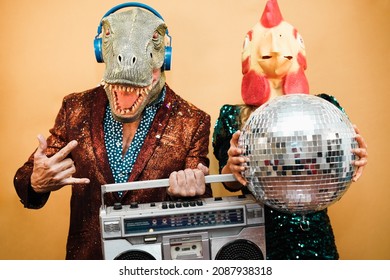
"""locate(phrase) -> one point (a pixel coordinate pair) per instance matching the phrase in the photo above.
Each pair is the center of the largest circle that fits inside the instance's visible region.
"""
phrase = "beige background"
(47, 52)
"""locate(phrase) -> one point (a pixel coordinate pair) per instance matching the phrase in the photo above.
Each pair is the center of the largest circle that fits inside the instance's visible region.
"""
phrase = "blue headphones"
(98, 40)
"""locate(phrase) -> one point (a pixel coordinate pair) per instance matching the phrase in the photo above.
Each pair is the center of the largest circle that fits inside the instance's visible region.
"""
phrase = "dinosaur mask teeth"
(126, 99)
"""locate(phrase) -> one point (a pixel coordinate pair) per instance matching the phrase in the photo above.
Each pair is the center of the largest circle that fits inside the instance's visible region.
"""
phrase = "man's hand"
(188, 182)
(51, 174)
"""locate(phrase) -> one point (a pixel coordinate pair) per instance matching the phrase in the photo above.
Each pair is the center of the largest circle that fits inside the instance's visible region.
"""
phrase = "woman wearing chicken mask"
(273, 64)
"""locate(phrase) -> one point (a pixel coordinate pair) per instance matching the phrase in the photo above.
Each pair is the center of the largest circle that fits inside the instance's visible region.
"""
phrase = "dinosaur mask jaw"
(126, 100)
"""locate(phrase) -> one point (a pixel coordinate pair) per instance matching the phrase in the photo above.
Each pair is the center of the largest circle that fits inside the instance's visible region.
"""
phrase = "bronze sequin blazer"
(178, 139)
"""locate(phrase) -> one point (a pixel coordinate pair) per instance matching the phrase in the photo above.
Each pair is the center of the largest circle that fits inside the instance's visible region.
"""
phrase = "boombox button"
(134, 205)
(199, 203)
(117, 206)
(150, 239)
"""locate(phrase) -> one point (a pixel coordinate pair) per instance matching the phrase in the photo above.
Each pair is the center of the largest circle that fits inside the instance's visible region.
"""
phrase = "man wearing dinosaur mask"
(132, 127)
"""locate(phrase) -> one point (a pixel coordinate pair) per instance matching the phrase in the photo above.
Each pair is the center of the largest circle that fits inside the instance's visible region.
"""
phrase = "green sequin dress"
(288, 236)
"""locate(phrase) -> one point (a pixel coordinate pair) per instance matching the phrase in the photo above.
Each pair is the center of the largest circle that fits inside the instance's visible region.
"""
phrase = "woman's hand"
(235, 164)
(362, 153)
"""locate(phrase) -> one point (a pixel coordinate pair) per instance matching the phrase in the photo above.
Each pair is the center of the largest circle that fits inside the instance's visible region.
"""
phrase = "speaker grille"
(134, 255)
(240, 249)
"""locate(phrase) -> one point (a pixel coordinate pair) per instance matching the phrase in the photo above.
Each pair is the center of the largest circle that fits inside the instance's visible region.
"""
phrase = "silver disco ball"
(299, 150)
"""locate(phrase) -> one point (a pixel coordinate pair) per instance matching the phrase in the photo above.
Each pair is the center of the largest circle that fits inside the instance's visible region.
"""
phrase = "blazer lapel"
(97, 134)
(153, 137)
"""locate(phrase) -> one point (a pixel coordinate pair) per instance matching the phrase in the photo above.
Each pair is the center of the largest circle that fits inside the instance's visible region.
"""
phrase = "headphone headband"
(98, 41)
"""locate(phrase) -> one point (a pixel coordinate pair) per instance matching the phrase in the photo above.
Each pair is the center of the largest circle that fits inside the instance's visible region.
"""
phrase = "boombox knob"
(117, 206)
(134, 205)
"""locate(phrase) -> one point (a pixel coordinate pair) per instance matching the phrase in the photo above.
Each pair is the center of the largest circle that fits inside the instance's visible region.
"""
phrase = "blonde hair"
(245, 111)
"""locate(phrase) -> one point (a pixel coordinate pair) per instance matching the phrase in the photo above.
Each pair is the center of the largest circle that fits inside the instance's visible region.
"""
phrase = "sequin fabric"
(288, 236)
(178, 138)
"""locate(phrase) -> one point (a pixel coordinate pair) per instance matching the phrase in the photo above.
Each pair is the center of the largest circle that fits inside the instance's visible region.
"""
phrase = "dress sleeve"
(332, 100)
(225, 126)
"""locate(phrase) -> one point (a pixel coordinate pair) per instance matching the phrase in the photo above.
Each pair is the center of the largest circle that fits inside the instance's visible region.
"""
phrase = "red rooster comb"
(271, 16)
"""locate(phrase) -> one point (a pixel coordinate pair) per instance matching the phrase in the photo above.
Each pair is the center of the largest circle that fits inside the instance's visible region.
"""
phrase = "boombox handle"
(151, 184)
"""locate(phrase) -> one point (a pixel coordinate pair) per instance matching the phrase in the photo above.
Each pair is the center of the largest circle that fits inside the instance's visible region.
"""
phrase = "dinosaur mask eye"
(157, 39)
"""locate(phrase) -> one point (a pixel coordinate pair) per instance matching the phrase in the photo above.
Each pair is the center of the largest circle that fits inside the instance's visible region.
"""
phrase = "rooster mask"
(273, 59)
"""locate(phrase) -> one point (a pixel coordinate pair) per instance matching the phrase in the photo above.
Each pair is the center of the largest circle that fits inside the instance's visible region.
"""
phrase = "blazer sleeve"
(200, 148)
(22, 179)
(198, 151)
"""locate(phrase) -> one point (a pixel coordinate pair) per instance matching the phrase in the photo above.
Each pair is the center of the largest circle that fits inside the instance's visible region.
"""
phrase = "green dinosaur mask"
(133, 51)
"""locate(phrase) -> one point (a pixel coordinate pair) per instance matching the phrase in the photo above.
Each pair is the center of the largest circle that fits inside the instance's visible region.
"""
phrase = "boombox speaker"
(219, 228)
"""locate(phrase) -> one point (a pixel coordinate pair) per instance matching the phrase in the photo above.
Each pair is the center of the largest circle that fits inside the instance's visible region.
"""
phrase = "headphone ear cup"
(167, 58)
(98, 49)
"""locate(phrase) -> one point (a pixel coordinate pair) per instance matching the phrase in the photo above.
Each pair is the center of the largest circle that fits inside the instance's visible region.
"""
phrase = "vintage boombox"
(218, 228)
